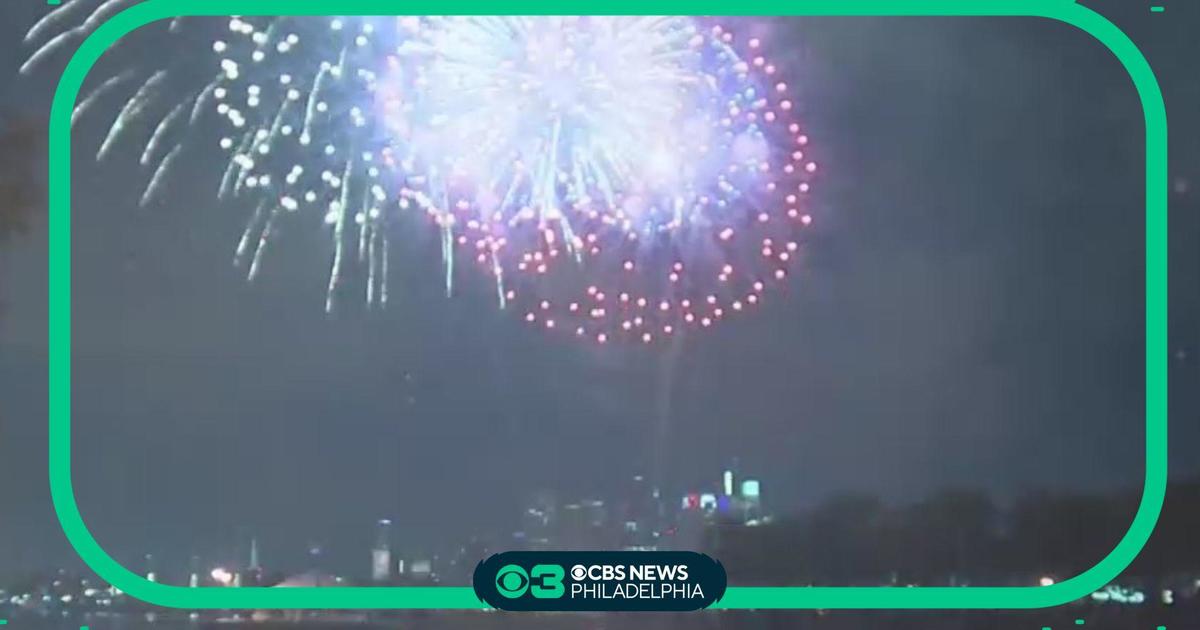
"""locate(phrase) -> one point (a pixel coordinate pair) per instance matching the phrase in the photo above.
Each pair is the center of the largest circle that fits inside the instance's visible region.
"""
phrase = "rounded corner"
(1121, 46)
(95, 44)
(1068, 11)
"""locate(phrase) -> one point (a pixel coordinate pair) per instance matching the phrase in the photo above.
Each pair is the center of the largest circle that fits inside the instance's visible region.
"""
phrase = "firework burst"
(298, 97)
(617, 177)
(621, 178)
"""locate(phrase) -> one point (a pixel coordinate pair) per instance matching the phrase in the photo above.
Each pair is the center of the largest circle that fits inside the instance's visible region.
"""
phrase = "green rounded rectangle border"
(736, 597)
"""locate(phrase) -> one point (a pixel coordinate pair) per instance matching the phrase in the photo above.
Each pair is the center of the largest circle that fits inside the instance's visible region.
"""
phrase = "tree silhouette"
(963, 537)
(21, 193)
(22, 152)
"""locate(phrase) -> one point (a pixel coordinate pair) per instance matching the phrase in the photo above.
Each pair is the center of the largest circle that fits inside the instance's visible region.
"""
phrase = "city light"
(222, 576)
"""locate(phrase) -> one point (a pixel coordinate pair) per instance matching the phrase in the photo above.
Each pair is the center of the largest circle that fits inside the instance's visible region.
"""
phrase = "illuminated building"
(538, 522)
(642, 517)
(381, 554)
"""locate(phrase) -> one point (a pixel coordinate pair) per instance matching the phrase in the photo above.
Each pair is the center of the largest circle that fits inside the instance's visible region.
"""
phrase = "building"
(643, 517)
(538, 523)
(381, 553)
(735, 500)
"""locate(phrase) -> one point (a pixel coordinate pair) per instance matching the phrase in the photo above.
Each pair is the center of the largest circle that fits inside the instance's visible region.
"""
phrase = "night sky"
(969, 312)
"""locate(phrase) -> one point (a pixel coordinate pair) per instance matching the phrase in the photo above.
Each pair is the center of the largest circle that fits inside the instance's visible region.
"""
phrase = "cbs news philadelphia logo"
(600, 580)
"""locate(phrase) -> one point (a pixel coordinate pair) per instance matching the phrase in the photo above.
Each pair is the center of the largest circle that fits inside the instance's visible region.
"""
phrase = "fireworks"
(299, 97)
(616, 177)
(621, 178)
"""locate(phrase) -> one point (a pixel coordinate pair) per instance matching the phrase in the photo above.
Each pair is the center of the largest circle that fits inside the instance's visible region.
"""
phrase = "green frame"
(736, 597)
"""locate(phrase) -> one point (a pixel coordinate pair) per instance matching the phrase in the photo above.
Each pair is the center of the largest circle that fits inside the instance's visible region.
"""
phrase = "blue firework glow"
(298, 97)
(617, 177)
(621, 177)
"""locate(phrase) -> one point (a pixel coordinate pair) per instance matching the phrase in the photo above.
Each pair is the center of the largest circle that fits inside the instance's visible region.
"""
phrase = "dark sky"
(970, 312)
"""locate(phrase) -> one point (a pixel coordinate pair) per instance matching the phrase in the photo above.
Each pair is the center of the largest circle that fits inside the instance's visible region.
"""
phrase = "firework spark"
(616, 177)
(621, 178)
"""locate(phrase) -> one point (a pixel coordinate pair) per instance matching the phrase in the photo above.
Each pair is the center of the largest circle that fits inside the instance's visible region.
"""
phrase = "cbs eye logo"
(543, 581)
(512, 581)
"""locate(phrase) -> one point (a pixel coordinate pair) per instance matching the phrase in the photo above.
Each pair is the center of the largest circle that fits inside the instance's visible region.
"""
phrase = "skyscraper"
(751, 500)
(539, 521)
(254, 566)
(643, 515)
(381, 553)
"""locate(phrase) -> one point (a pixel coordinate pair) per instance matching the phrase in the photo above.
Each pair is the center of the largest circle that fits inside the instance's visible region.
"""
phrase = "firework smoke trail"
(237, 165)
(48, 49)
(156, 180)
(244, 241)
(160, 131)
(263, 239)
(132, 109)
(664, 409)
(102, 12)
(104, 88)
(52, 19)
(338, 209)
(201, 101)
(383, 269)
